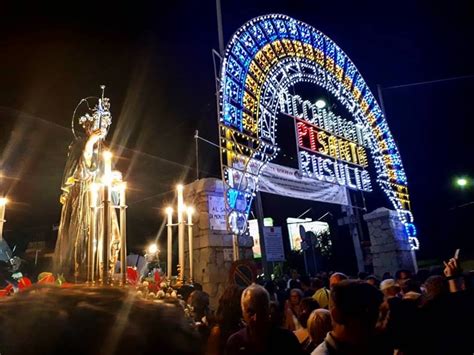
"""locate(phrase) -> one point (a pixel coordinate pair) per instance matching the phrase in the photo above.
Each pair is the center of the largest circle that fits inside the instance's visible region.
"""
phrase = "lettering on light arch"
(265, 57)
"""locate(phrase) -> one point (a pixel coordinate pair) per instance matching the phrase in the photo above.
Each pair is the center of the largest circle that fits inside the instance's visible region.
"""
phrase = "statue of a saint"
(83, 168)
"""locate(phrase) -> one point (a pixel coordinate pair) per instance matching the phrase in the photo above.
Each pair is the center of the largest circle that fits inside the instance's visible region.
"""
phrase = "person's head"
(197, 286)
(270, 286)
(435, 286)
(390, 288)
(294, 284)
(336, 278)
(92, 320)
(317, 283)
(307, 305)
(296, 295)
(402, 274)
(294, 274)
(255, 303)
(229, 311)
(305, 282)
(362, 275)
(199, 302)
(319, 324)
(387, 275)
(355, 305)
(372, 280)
(410, 285)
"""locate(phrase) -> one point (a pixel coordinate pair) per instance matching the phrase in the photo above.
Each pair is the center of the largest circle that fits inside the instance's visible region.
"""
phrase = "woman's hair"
(229, 311)
(319, 324)
(199, 300)
(307, 305)
(92, 320)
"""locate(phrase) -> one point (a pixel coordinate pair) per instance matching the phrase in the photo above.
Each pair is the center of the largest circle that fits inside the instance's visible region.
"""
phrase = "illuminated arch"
(264, 58)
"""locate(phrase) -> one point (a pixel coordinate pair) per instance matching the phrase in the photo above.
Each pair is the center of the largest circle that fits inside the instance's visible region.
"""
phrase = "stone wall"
(212, 244)
(389, 245)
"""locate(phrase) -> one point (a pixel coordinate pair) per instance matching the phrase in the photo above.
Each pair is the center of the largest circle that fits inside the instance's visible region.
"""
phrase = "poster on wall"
(217, 213)
(274, 250)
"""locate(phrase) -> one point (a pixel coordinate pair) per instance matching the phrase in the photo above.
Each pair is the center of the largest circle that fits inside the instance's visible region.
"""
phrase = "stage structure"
(263, 62)
(92, 241)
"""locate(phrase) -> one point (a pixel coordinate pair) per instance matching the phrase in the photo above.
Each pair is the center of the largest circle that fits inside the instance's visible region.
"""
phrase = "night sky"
(157, 65)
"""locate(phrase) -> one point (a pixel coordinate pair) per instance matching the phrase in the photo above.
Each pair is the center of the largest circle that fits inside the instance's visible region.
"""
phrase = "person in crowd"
(200, 312)
(362, 275)
(354, 307)
(389, 316)
(319, 324)
(306, 286)
(282, 294)
(442, 304)
(387, 275)
(83, 320)
(321, 293)
(271, 289)
(228, 320)
(292, 309)
(259, 337)
(373, 280)
(401, 275)
(294, 281)
(276, 315)
(410, 289)
(307, 305)
(336, 278)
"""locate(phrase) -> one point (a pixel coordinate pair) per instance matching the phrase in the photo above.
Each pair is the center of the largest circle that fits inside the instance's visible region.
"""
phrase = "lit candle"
(3, 202)
(123, 233)
(169, 212)
(123, 188)
(190, 211)
(180, 231)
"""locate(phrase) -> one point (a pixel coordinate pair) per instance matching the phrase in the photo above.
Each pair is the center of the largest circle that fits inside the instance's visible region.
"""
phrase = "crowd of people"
(326, 314)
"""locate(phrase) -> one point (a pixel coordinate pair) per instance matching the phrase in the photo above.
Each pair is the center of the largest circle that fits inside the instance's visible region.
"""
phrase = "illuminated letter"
(362, 156)
(344, 151)
(302, 130)
(353, 151)
(323, 146)
(295, 101)
(366, 185)
(333, 151)
(339, 171)
(305, 160)
(330, 174)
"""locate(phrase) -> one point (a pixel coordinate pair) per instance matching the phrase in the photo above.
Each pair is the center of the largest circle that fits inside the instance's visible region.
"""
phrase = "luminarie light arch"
(265, 57)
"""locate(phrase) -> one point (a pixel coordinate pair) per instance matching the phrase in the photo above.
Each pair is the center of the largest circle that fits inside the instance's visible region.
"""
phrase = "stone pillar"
(212, 244)
(389, 245)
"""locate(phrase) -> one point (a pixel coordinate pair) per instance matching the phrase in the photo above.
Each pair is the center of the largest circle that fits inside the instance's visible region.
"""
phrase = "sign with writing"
(217, 213)
(286, 181)
(330, 148)
(273, 244)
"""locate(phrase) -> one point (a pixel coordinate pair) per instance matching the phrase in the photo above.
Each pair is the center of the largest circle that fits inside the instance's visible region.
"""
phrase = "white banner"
(285, 181)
